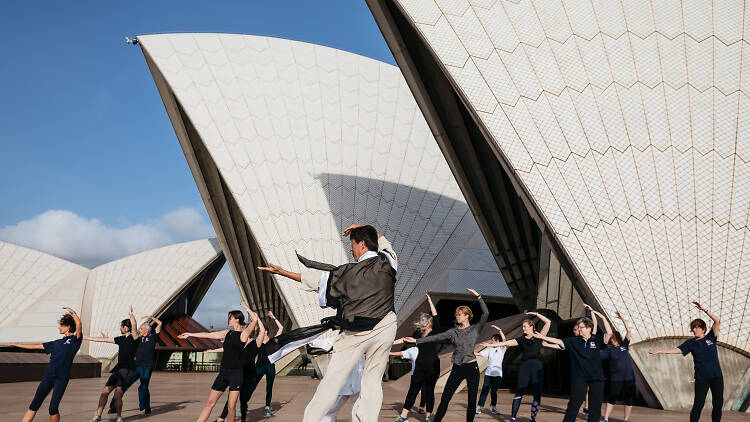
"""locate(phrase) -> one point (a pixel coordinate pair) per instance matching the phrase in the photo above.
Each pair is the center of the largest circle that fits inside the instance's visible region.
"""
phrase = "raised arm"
(433, 311)
(590, 315)
(103, 339)
(607, 327)
(625, 324)
(216, 335)
(714, 318)
(275, 269)
(133, 324)
(157, 321)
(551, 340)
(77, 320)
(28, 346)
(483, 306)
(674, 351)
(544, 319)
(262, 334)
(499, 331)
(252, 319)
(279, 327)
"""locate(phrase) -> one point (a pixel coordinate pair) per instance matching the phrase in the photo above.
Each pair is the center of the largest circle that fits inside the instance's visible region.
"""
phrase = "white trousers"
(340, 402)
(348, 349)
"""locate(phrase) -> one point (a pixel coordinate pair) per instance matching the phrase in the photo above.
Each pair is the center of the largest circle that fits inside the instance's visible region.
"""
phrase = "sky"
(91, 168)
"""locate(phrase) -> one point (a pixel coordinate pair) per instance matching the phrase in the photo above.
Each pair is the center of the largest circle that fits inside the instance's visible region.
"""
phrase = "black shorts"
(231, 378)
(623, 391)
(529, 373)
(120, 378)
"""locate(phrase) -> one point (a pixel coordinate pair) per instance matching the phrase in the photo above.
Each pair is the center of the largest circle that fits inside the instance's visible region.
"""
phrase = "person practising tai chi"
(493, 375)
(586, 369)
(530, 373)
(144, 364)
(236, 338)
(425, 364)
(708, 375)
(265, 367)
(249, 353)
(622, 376)
(363, 295)
(61, 353)
(465, 367)
(124, 371)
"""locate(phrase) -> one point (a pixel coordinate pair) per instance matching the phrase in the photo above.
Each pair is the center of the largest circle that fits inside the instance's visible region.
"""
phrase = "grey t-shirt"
(463, 339)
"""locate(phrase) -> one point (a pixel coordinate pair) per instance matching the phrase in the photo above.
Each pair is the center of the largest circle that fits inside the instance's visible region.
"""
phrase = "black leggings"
(716, 385)
(426, 383)
(530, 376)
(578, 394)
(270, 372)
(57, 386)
(248, 384)
(468, 372)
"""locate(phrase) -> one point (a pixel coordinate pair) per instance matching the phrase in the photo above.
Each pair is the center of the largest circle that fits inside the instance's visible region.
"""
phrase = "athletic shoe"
(96, 419)
(495, 411)
(585, 411)
(400, 419)
(605, 420)
(118, 419)
(267, 412)
(420, 411)
(512, 419)
(427, 419)
(147, 411)
(478, 411)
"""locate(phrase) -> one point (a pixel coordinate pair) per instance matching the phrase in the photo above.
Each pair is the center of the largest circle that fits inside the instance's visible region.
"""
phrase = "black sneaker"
(147, 411)
(585, 411)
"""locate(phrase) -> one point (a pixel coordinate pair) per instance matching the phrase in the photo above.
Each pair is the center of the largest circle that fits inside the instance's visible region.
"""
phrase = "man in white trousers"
(362, 293)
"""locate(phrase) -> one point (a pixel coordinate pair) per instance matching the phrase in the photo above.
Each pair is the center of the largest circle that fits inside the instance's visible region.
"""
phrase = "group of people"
(362, 293)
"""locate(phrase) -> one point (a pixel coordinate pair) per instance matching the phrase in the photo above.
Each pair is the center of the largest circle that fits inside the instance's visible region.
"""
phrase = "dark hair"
(617, 337)
(698, 323)
(496, 337)
(68, 321)
(368, 234)
(585, 321)
(126, 323)
(238, 315)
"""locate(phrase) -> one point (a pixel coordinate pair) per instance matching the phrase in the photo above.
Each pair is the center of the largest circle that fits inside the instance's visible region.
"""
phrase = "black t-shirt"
(620, 366)
(585, 359)
(233, 347)
(428, 352)
(126, 353)
(61, 353)
(263, 356)
(705, 356)
(530, 347)
(249, 353)
(144, 355)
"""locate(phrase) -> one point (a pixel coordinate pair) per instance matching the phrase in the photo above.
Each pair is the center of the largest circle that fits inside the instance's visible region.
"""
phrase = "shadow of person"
(162, 409)
(259, 412)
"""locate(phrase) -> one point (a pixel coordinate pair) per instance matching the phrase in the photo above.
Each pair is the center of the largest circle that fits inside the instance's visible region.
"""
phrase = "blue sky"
(85, 143)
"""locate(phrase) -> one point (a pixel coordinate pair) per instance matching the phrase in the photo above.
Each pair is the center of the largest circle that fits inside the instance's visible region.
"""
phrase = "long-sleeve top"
(463, 339)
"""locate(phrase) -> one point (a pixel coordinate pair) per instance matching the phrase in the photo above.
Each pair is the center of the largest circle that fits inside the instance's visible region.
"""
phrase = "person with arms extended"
(708, 375)
(124, 371)
(425, 364)
(265, 367)
(622, 376)
(236, 338)
(493, 375)
(61, 353)
(463, 337)
(363, 295)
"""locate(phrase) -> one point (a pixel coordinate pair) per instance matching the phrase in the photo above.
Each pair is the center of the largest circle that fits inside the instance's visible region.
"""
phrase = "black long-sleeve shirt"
(463, 339)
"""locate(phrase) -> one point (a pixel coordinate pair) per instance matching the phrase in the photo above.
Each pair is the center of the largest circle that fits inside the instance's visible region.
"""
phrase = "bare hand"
(245, 305)
(537, 334)
(102, 333)
(272, 268)
(653, 352)
(496, 327)
(472, 291)
(70, 311)
(348, 230)
(428, 296)
(698, 305)
(270, 315)
(409, 340)
(131, 310)
(532, 313)
(587, 307)
(619, 315)
(184, 335)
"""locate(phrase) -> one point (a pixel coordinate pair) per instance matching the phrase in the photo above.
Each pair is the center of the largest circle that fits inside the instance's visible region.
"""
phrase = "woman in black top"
(464, 338)
(230, 371)
(264, 367)
(530, 372)
(426, 366)
(249, 353)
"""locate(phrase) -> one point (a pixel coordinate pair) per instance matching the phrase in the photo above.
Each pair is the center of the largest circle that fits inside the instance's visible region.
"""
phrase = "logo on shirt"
(622, 349)
(709, 342)
(592, 345)
(67, 341)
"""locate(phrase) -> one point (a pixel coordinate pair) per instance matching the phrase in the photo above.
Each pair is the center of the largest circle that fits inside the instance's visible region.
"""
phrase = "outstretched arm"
(499, 331)
(674, 351)
(552, 340)
(551, 346)
(399, 354)
(77, 320)
(714, 318)
(216, 335)
(509, 343)
(220, 349)
(607, 327)
(133, 324)
(157, 330)
(103, 339)
(544, 319)
(445, 335)
(433, 311)
(627, 329)
(28, 346)
(398, 341)
(279, 327)
(275, 269)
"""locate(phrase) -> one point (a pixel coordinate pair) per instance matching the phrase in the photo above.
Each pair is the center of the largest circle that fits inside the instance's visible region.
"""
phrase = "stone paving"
(180, 397)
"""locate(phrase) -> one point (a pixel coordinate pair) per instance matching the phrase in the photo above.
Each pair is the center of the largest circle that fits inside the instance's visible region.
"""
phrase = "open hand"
(653, 352)
(272, 268)
(184, 335)
(618, 314)
(409, 340)
(131, 310)
(588, 307)
(68, 310)
(698, 305)
(103, 334)
(532, 313)
(496, 327)
(348, 230)
(245, 305)
(472, 291)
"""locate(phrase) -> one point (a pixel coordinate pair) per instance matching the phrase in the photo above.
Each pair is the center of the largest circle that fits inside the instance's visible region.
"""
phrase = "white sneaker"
(478, 411)
(118, 419)
(96, 419)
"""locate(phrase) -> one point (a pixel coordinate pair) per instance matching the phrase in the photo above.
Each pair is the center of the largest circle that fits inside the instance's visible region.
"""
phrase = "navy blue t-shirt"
(144, 354)
(585, 362)
(126, 353)
(621, 368)
(705, 356)
(61, 351)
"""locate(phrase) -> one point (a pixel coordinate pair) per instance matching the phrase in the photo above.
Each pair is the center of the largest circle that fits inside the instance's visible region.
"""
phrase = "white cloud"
(90, 242)
(221, 297)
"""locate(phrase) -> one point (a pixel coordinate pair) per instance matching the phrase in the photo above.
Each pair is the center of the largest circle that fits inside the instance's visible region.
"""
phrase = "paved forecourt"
(180, 397)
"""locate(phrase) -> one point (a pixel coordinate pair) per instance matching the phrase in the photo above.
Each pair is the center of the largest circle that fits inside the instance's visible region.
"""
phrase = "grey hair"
(423, 322)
